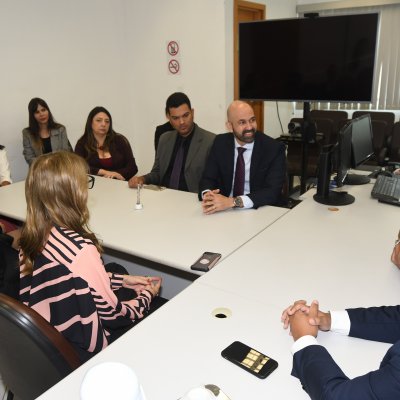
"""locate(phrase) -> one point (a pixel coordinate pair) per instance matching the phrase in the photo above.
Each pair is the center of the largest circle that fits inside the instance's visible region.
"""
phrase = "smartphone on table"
(250, 359)
(206, 261)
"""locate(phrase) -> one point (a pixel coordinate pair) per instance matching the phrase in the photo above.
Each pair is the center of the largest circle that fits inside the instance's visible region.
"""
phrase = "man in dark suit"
(320, 376)
(181, 153)
(245, 168)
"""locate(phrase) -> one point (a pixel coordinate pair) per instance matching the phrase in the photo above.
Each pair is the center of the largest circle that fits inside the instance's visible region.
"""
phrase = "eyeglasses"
(90, 181)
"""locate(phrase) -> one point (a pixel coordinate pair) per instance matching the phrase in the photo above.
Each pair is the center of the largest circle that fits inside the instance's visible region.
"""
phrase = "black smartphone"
(249, 359)
(206, 261)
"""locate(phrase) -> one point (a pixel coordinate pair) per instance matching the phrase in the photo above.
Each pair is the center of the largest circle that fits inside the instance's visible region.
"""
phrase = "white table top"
(170, 229)
(341, 258)
(179, 348)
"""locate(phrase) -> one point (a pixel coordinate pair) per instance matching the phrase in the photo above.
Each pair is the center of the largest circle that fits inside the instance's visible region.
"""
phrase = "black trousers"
(125, 294)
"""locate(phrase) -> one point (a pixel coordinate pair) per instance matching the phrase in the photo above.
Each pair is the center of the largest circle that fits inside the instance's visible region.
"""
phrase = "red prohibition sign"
(173, 66)
(173, 48)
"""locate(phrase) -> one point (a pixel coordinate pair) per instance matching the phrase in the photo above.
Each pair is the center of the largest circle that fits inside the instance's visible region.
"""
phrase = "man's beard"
(246, 138)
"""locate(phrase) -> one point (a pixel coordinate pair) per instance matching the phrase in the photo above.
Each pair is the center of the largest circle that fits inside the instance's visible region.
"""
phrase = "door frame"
(256, 8)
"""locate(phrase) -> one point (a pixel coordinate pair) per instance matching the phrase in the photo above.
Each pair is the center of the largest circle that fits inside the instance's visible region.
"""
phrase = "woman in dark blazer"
(107, 152)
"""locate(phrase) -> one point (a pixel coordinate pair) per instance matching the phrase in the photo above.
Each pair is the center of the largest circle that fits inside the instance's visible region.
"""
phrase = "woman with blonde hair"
(43, 135)
(62, 274)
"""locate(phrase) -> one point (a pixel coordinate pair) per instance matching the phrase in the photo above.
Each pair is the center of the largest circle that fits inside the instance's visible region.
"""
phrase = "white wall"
(78, 54)
(71, 53)
(198, 26)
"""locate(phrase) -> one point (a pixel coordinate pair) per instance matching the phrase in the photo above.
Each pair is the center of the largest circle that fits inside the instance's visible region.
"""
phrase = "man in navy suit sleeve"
(264, 162)
(320, 376)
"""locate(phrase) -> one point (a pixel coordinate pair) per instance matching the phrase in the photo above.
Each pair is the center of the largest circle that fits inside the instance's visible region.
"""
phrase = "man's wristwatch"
(237, 202)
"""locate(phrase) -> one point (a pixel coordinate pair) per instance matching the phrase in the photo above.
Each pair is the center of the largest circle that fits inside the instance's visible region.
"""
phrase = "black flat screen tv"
(308, 59)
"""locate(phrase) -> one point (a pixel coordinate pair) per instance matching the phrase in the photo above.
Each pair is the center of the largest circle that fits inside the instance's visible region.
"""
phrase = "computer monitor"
(343, 155)
(328, 58)
(335, 158)
(362, 148)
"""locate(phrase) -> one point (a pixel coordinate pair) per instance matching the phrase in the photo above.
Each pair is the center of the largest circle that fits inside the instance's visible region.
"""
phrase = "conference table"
(165, 237)
(338, 255)
(170, 229)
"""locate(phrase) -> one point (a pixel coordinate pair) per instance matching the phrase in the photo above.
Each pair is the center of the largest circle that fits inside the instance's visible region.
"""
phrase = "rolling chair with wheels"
(33, 356)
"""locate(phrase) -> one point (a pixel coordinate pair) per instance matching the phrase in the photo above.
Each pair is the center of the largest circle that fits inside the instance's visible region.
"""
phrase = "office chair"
(33, 355)
(335, 116)
(379, 142)
(9, 271)
(394, 143)
(294, 150)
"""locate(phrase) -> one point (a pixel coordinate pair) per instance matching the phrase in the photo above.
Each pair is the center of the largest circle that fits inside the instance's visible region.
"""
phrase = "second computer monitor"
(343, 154)
(362, 140)
(362, 148)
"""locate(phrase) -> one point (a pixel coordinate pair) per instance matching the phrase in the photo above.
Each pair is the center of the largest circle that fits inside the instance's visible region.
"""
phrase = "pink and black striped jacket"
(70, 288)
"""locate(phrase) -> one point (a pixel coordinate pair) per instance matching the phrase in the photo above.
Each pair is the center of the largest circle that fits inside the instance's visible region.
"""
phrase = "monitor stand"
(324, 195)
(354, 179)
(334, 198)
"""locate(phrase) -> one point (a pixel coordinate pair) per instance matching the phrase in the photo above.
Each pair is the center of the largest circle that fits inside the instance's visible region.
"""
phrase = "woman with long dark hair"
(43, 135)
(107, 152)
(62, 274)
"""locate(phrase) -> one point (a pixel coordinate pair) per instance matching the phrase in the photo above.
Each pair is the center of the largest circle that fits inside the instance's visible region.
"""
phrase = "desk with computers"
(353, 148)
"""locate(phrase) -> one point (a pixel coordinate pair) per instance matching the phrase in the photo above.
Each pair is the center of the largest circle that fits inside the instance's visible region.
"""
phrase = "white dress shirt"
(340, 323)
(247, 202)
(4, 167)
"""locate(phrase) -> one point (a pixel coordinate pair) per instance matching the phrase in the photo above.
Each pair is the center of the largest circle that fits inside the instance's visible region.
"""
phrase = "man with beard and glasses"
(245, 168)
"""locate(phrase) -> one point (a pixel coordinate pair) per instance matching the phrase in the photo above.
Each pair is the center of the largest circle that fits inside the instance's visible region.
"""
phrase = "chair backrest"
(335, 116)
(33, 355)
(394, 147)
(9, 271)
(386, 116)
(379, 140)
(325, 126)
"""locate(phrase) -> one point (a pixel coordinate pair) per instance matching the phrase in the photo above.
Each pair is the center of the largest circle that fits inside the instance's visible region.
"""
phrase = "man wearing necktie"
(182, 152)
(245, 168)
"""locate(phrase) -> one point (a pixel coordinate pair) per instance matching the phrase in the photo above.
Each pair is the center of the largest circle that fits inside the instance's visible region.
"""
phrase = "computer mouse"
(385, 173)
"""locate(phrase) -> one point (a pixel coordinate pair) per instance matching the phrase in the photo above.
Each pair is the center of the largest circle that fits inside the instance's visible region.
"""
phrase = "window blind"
(386, 87)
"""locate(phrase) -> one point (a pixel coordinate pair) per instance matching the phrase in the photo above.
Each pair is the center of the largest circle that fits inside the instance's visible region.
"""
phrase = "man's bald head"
(241, 121)
(235, 107)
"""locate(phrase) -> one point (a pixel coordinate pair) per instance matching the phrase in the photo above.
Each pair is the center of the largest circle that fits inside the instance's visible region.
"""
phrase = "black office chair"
(33, 355)
(9, 269)
(394, 144)
(379, 142)
(295, 150)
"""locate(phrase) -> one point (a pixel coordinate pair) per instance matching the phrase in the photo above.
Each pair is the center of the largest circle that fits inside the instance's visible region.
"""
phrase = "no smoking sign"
(174, 63)
(173, 67)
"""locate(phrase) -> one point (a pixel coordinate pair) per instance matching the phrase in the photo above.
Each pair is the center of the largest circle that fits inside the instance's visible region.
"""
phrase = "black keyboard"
(387, 188)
